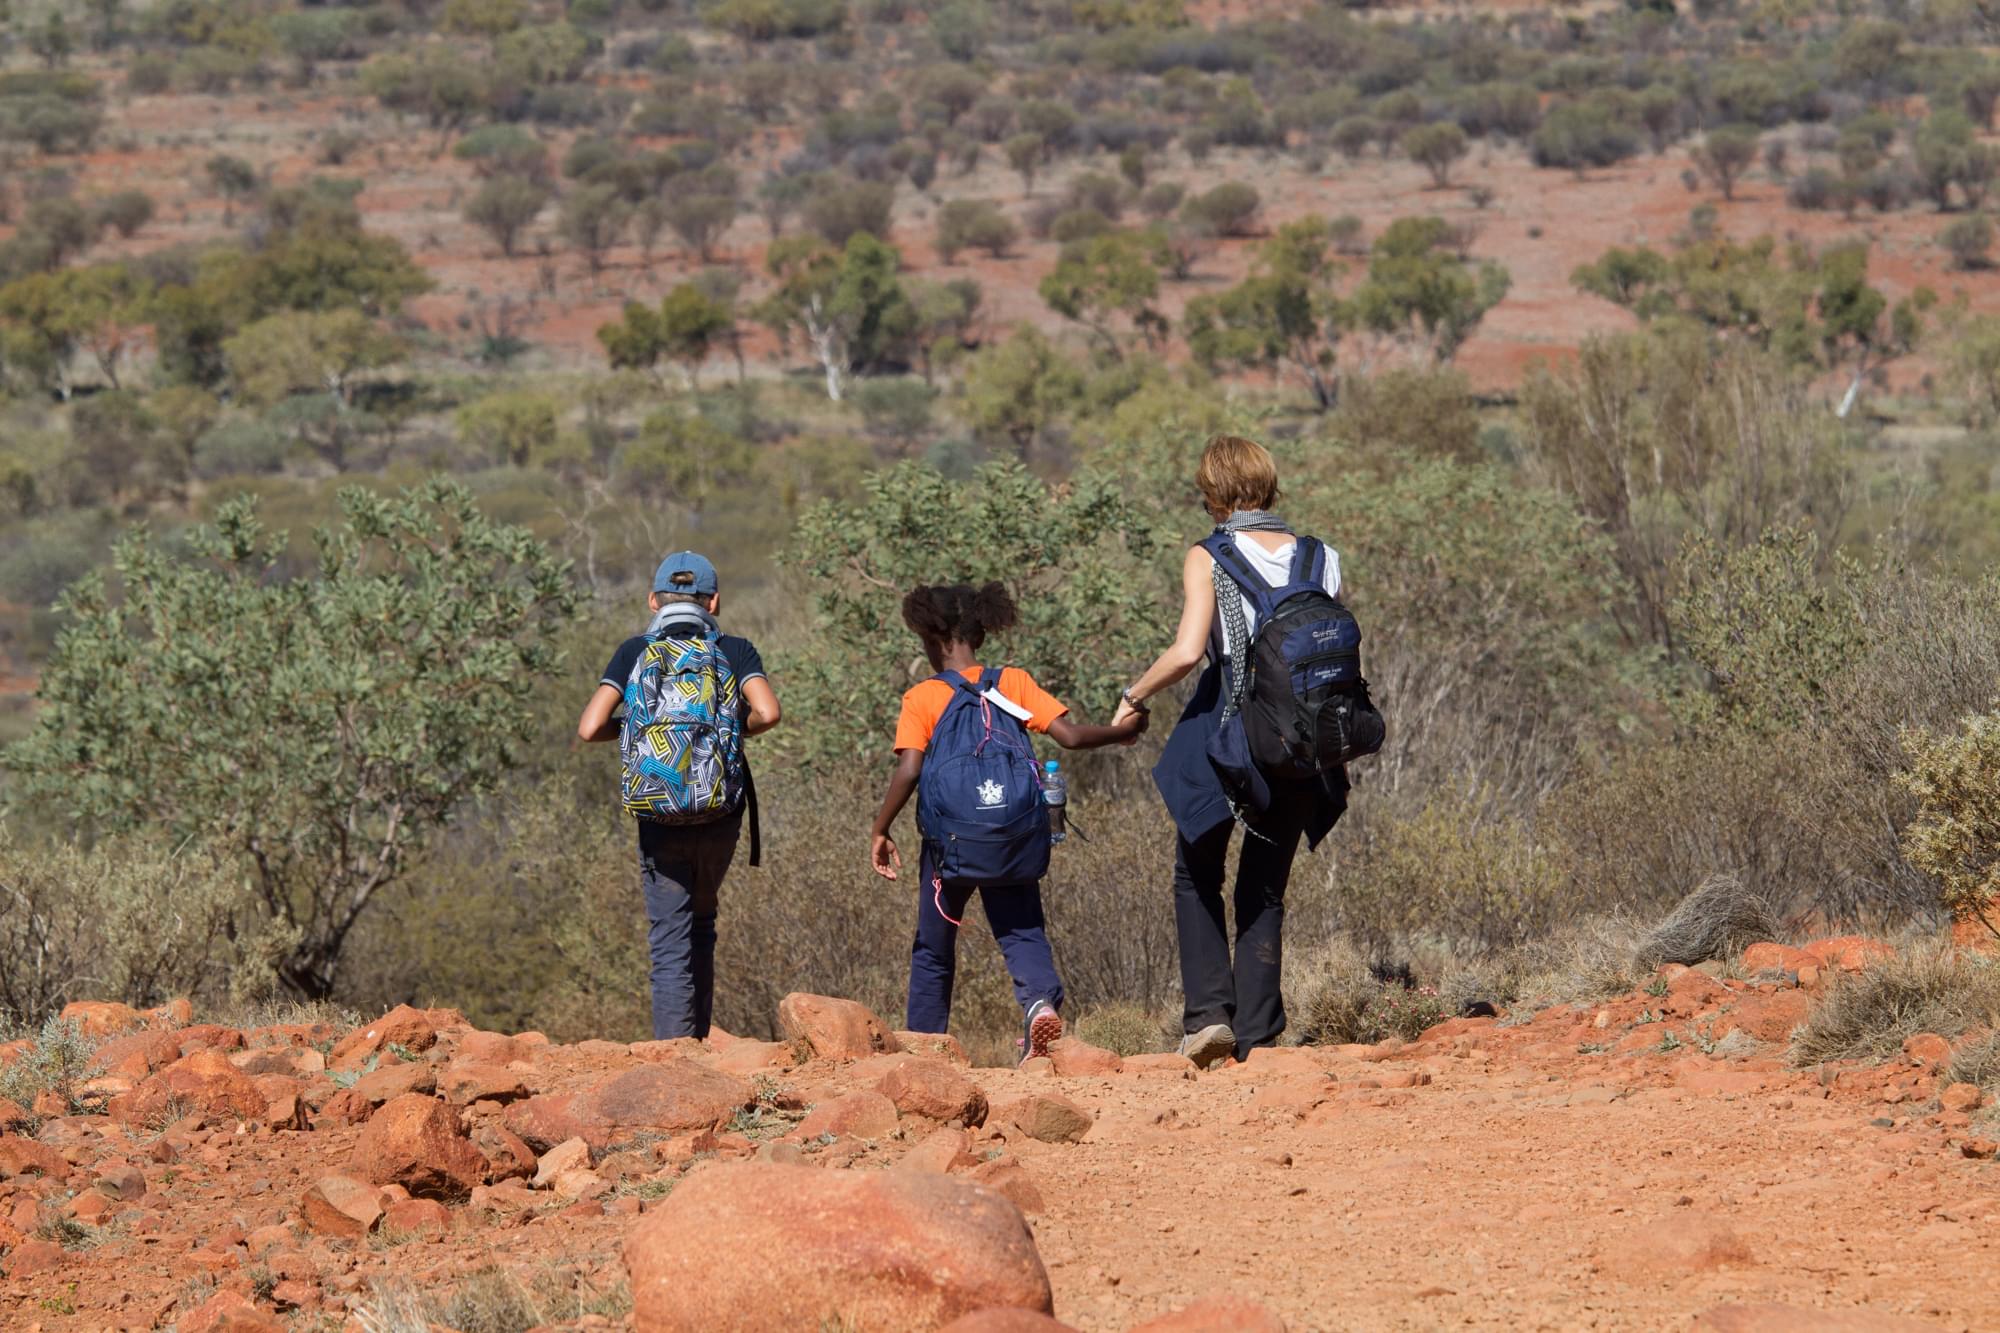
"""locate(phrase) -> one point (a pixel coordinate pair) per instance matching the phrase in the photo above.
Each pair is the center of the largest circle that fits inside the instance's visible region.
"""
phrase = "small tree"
(974, 223)
(1955, 837)
(505, 206)
(322, 727)
(841, 210)
(510, 427)
(1725, 155)
(685, 328)
(1227, 210)
(1418, 290)
(592, 220)
(1024, 153)
(1287, 313)
(124, 211)
(1103, 277)
(1970, 241)
(1438, 147)
(848, 303)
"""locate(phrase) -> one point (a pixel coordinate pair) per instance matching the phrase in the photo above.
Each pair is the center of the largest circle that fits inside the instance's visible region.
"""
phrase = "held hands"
(884, 857)
(1132, 721)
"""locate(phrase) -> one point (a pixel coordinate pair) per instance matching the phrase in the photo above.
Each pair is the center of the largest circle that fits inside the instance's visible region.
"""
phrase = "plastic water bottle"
(1055, 794)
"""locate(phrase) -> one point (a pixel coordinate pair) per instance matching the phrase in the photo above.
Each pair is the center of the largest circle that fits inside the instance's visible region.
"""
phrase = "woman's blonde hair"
(1236, 473)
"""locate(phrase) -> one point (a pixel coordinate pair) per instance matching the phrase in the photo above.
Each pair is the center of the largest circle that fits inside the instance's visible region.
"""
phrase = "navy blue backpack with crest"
(979, 797)
(1298, 708)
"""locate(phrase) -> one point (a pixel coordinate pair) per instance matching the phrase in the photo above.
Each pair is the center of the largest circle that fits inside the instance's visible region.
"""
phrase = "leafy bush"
(964, 224)
(1226, 210)
(1955, 836)
(55, 1064)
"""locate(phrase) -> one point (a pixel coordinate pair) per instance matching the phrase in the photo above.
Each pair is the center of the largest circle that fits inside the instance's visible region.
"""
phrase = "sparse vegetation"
(1923, 988)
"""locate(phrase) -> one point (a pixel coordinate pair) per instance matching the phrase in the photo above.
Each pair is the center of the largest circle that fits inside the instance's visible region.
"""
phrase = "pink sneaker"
(1045, 1028)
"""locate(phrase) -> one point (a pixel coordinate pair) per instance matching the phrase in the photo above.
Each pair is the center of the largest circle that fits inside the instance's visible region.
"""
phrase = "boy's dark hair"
(686, 579)
(958, 611)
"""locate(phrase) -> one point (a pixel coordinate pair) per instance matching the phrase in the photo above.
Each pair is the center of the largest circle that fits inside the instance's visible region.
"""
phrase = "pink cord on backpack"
(937, 898)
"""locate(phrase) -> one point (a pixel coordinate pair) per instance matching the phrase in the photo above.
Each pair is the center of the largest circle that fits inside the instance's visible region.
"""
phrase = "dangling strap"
(937, 898)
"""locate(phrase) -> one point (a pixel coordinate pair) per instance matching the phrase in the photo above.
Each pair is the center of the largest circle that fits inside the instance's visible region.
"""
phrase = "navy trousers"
(1014, 911)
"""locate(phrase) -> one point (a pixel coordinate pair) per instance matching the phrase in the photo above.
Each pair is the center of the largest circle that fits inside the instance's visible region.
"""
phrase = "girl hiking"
(979, 805)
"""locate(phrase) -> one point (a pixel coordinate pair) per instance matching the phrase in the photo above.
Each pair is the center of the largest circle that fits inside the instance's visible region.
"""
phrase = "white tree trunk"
(829, 347)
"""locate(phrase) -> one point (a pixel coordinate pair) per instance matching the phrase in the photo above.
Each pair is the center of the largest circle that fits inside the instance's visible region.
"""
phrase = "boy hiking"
(691, 695)
(979, 806)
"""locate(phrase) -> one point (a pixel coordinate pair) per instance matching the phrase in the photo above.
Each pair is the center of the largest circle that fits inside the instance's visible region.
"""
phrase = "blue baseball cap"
(703, 584)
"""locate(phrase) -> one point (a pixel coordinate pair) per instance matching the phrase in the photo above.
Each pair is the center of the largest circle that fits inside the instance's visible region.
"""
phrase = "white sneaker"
(1212, 1045)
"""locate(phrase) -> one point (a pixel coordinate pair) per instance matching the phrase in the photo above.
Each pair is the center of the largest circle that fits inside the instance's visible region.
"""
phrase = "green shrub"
(56, 1063)
(1955, 836)
(974, 224)
(1226, 210)
(1128, 1029)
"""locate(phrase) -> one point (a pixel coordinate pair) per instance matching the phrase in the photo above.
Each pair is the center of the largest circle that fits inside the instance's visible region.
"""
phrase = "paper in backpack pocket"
(1006, 705)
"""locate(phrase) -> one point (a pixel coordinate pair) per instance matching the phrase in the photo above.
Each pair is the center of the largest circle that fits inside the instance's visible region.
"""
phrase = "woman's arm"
(597, 724)
(882, 853)
(1190, 643)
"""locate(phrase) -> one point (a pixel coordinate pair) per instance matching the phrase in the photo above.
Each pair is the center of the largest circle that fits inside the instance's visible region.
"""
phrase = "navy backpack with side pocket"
(1298, 708)
(979, 797)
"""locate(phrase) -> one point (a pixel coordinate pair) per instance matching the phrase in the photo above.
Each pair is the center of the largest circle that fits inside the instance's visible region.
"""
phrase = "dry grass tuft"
(1125, 1028)
(1924, 988)
(1977, 1064)
(1719, 918)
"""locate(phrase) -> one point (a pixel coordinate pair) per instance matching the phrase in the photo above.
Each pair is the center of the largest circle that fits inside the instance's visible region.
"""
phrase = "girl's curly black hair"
(944, 612)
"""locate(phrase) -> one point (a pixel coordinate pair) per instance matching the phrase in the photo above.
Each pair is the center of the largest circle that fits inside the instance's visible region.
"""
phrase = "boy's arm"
(597, 722)
(761, 711)
(882, 853)
(1067, 732)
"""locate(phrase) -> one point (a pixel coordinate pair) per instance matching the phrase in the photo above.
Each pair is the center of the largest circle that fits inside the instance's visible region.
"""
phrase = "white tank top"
(1275, 568)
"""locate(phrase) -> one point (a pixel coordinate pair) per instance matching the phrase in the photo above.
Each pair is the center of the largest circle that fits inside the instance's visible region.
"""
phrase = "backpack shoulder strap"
(1308, 572)
(1222, 547)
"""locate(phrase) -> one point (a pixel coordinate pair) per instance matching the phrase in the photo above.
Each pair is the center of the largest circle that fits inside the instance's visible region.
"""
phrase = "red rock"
(942, 1045)
(30, 1157)
(1980, 1150)
(1961, 1097)
(342, 1206)
(1679, 1243)
(89, 1206)
(33, 1256)
(884, 1249)
(1849, 953)
(415, 1217)
(414, 1141)
(569, 1155)
(1075, 1058)
(1006, 1176)
(487, 1048)
(507, 1157)
(209, 1037)
(656, 1099)
(834, 1029)
(101, 1018)
(1766, 1017)
(346, 1107)
(291, 1061)
(12, 1115)
(464, 1084)
(1006, 1321)
(945, 1149)
(175, 1013)
(121, 1180)
(227, 1312)
(294, 1293)
(284, 1103)
(865, 1114)
(1046, 1117)
(928, 1087)
(394, 1080)
(1216, 1314)
(1927, 1048)
(1772, 1317)
(1769, 957)
(204, 1082)
(750, 1057)
(402, 1026)
(136, 1055)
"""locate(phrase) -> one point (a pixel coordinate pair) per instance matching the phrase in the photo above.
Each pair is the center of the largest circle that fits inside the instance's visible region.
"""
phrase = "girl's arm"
(1074, 735)
(882, 853)
(1190, 643)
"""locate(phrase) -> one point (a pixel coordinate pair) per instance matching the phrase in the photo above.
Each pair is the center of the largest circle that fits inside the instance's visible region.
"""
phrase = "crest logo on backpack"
(991, 794)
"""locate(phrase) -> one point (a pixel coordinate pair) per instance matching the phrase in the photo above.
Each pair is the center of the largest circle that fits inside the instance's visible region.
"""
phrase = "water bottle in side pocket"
(1055, 795)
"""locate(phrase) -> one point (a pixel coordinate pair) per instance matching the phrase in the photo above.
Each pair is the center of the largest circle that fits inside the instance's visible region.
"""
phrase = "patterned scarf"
(1229, 602)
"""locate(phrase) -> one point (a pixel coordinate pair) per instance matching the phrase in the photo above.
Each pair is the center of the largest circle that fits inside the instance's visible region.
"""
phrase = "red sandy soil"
(1559, 1172)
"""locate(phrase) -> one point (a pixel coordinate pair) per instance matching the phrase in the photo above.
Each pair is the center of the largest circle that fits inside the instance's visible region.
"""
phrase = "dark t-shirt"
(741, 654)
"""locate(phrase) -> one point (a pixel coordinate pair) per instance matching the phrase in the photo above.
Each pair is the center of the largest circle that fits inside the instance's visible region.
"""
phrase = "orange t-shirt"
(924, 703)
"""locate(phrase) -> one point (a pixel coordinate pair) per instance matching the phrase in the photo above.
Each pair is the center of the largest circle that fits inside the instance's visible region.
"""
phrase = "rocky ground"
(1642, 1163)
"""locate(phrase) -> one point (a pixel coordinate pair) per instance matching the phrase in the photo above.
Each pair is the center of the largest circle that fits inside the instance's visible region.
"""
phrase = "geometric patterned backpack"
(682, 743)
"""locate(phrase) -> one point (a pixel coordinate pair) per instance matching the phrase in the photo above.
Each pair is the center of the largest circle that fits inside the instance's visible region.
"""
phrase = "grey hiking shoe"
(1212, 1045)
(1045, 1028)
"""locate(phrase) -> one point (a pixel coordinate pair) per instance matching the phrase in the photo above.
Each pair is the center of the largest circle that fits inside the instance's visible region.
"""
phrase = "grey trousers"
(681, 870)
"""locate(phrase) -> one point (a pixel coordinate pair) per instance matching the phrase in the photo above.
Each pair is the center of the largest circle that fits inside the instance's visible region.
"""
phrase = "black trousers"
(1244, 992)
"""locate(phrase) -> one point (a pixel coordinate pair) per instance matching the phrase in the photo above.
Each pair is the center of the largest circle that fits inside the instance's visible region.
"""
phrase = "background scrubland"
(1642, 362)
